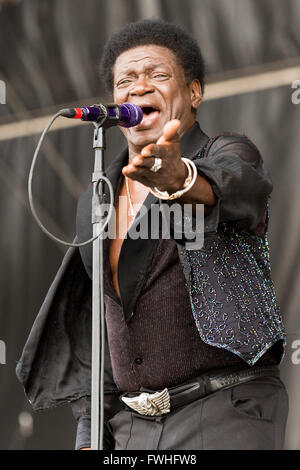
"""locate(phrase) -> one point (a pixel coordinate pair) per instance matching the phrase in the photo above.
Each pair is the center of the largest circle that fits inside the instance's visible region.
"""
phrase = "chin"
(144, 137)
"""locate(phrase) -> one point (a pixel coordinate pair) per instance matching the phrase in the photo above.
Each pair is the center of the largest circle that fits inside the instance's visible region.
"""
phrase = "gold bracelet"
(189, 182)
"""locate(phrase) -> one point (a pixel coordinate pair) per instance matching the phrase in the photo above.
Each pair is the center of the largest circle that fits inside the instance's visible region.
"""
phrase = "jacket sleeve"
(235, 169)
(81, 410)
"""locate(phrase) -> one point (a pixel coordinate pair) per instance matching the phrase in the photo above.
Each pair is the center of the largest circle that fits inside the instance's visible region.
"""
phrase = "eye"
(124, 82)
(160, 76)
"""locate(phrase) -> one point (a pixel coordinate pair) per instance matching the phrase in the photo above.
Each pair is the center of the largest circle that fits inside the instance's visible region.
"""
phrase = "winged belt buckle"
(150, 404)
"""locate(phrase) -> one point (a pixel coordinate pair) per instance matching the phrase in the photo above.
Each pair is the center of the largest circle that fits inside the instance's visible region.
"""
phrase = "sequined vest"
(231, 290)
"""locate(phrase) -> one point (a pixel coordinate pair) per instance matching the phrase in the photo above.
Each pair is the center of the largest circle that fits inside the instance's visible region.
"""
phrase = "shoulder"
(235, 145)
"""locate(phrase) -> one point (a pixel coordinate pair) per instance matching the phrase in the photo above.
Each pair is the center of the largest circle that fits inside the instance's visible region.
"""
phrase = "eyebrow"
(130, 70)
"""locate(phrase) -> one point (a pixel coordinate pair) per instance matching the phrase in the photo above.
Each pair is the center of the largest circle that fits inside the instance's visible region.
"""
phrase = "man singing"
(194, 335)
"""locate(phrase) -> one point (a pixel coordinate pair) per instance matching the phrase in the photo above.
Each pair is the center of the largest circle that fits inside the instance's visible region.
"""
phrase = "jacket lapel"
(84, 226)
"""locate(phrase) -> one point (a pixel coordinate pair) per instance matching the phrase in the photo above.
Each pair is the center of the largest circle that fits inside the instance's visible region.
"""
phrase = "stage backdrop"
(49, 54)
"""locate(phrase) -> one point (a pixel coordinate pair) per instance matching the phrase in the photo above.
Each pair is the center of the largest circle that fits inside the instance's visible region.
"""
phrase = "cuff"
(212, 220)
(83, 438)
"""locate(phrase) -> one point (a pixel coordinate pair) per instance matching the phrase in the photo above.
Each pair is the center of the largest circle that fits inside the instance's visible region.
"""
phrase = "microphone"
(124, 115)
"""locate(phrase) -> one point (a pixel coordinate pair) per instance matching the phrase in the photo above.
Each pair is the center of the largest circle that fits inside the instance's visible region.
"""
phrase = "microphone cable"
(43, 228)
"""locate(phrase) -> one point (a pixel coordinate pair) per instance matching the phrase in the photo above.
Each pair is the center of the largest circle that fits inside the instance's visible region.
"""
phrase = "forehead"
(141, 56)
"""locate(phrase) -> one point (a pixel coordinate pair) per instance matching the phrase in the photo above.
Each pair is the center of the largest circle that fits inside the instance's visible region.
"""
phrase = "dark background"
(49, 54)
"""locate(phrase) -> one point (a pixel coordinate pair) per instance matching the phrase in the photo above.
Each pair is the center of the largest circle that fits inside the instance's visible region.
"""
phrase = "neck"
(133, 152)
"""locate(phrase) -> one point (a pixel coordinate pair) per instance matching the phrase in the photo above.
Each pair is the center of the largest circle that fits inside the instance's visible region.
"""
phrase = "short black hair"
(156, 32)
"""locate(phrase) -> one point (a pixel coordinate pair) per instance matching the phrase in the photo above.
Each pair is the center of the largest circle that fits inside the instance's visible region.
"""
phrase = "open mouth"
(150, 116)
(149, 110)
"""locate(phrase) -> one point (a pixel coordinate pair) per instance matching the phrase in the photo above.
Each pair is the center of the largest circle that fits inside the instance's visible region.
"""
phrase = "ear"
(195, 93)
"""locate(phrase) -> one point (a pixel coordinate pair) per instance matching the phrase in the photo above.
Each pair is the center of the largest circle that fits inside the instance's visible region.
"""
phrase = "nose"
(141, 87)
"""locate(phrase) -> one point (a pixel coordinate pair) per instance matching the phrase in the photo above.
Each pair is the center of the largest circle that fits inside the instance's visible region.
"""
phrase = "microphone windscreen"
(131, 115)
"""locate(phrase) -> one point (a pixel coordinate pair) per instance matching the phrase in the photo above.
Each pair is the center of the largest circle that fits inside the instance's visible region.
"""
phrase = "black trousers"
(249, 416)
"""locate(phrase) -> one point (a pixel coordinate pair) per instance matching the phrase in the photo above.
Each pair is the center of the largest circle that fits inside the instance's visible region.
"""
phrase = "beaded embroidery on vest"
(231, 290)
(232, 294)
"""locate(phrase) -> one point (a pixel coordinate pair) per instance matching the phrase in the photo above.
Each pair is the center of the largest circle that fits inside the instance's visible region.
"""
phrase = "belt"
(150, 403)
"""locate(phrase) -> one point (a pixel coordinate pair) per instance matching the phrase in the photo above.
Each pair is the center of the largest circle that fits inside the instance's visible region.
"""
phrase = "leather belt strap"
(208, 383)
(218, 380)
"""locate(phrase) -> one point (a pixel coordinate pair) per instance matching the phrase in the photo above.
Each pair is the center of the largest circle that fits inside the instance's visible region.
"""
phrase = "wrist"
(187, 185)
(182, 176)
(178, 179)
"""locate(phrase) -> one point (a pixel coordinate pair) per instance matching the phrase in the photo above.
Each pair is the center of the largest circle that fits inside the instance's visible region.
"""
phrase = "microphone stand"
(106, 119)
(98, 338)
